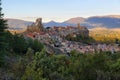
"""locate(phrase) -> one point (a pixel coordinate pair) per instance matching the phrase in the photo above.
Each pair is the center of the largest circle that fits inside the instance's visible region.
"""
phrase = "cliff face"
(36, 27)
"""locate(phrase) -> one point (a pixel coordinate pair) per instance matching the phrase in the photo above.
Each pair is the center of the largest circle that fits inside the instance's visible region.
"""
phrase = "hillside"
(113, 16)
(108, 21)
(105, 21)
(104, 34)
(17, 24)
(75, 20)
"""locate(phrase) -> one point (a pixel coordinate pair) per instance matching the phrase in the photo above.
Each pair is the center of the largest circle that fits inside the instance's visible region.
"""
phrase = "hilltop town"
(64, 39)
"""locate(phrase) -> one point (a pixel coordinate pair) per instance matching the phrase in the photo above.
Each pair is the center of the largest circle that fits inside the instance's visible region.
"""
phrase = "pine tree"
(3, 26)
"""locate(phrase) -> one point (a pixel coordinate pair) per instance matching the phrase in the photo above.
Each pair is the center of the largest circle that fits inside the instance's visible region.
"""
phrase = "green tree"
(9, 40)
(35, 45)
(34, 70)
(19, 44)
(115, 70)
(3, 26)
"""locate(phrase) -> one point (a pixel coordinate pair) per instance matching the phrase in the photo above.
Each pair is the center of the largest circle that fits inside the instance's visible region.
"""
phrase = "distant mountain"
(21, 24)
(111, 16)
(53, 23)
(109, 21)
(17, 24)
(105, 21)
(75, 20)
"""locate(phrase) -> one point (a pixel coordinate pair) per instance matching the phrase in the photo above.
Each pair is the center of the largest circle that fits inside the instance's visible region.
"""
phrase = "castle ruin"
(36, 27)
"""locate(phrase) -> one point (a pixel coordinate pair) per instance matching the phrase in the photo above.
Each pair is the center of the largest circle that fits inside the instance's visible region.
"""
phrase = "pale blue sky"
(58, 10)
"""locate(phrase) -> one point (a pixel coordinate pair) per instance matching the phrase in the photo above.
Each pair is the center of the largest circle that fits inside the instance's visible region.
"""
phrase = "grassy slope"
(101, 34)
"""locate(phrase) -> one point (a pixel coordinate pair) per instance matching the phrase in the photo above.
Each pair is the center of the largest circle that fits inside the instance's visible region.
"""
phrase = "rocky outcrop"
(36, 27)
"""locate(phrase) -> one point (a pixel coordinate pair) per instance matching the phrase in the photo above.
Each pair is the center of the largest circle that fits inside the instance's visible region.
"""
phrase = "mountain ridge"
(107, 21)
(75, 20)
(17, 23)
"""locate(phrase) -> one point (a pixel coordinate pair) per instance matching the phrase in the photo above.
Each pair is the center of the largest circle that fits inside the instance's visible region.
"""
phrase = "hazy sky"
(58, 10)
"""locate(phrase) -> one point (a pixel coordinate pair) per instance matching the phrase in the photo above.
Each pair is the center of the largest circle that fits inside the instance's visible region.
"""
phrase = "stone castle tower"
(83, 31)
(36, 27)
